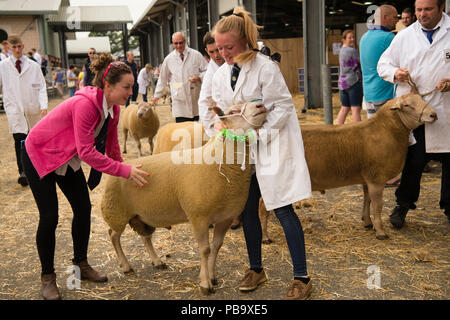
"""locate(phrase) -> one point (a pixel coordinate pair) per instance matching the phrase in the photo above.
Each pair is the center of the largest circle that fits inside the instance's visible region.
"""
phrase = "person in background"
(130, 62)
(407, 17)
(71, 81)
(58, 78)
(88, 75)
(249, 75)
(6, 50)
(350, 79)
(36, 56)
(24, 96)
(144, 80)
(44, 65)
(81, 128)
(421, 53)
(373, 43)
(185, 68)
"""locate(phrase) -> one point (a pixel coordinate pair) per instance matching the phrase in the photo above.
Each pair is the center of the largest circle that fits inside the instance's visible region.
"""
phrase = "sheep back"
(188, 137)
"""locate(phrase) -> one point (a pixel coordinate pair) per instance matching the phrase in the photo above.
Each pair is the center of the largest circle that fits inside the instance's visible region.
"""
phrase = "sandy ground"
(344, 259)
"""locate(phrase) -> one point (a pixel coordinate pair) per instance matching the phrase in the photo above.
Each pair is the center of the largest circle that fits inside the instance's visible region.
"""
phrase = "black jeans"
(183, 119)
(288, 220)
(134, 96)
(18, 137)
(416, 159)
(74, 187)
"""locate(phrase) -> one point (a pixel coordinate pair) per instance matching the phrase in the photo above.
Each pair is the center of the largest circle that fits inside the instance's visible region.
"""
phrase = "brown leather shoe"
(299, 290)
(49, 288)
(87, 273)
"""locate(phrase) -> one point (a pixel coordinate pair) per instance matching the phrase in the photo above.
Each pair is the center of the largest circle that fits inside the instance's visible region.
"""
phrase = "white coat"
(281, 167)
(24, 94)
(427, 64)
(184, 94)
(143, 81)
(207, 117)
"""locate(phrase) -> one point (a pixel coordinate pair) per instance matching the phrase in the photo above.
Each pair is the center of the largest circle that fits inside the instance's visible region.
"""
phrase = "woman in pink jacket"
(81, 128)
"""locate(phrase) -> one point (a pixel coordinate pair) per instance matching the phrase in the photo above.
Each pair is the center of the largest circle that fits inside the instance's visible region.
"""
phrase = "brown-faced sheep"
(182, 191)
(141, 121)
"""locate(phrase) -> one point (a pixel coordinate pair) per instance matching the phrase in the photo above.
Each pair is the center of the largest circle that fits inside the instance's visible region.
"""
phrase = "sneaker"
(23, 181)
(398, 216)
(252, 280)
(299, 290)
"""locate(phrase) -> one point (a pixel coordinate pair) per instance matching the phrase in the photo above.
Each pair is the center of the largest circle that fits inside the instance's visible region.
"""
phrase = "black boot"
(398, 216)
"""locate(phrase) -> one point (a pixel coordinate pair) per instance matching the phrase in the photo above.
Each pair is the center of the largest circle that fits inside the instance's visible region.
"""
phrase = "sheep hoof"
(161, 266)
(214, 282)
(382, 236)
(129, 271)
(369, 227)
(206, 291)
(267, 241)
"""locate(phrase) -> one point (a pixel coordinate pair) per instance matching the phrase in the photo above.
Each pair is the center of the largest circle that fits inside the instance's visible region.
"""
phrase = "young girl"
(53, 153)
(281, 178)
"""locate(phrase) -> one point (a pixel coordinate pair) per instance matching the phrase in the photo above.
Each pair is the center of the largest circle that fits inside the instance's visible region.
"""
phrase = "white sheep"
(179, 136)
(213, 192)
(140, 121)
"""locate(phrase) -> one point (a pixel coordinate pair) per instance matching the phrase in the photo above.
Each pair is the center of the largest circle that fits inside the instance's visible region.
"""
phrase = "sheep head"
(244, 116)
(144, 110)
(413, 110)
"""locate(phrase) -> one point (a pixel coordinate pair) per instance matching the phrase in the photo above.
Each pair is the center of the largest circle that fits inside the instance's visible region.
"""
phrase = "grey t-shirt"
(350, 67)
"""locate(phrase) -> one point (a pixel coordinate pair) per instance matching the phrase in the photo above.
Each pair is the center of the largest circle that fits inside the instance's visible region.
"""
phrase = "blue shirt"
(371, 46)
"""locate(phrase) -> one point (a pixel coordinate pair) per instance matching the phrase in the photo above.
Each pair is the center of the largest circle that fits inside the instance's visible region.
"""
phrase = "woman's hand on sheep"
(137, 175)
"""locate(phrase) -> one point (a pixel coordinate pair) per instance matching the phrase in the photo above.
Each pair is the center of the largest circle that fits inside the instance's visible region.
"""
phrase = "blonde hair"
(243, 27)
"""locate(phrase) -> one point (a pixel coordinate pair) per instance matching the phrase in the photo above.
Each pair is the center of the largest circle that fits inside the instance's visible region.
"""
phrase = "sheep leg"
(138, 142)
(123, 262)
(201, 231)
(220, 229)
(150, 142)
(125, 134)
(263, 215)
(376, 198)
(366, 209)
(156, 261)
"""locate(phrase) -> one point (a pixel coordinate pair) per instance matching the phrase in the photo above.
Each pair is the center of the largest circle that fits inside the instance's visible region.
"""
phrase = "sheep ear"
(397, 105)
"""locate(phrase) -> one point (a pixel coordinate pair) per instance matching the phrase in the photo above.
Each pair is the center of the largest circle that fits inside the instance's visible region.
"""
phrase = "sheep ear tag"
(397, 106)
(218, 111)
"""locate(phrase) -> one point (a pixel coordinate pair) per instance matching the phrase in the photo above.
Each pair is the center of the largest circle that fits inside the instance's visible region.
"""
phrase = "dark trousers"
(134, 96)
(74, 187)
(289, 221)
(416, 159)
(183, 119)
(18, 137)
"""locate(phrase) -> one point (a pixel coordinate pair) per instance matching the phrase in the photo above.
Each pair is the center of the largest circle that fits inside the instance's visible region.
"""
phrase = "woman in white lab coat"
(426, 59)
(282, 176)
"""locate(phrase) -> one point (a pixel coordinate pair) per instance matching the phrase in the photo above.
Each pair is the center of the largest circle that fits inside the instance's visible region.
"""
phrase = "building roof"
(82, 45)
(91, 18)
(21, 7)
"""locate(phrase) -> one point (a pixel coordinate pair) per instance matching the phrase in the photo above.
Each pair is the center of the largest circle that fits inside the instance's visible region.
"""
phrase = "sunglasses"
(115, 64)
(91, 52)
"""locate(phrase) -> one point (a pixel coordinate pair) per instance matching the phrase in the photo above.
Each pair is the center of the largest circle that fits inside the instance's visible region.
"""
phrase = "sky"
(136, 7)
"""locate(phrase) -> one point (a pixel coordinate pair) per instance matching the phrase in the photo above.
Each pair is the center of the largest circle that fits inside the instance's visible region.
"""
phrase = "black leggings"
(74, 187)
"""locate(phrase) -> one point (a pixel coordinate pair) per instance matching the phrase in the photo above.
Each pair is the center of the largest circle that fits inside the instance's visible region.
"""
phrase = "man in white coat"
(422, 51)
(185, 68)
(24, 96)
(207, 117)
(143, 80)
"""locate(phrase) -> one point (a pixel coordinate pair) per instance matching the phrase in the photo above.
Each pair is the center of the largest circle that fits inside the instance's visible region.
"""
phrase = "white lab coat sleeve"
(163, 78)
(207, 117)
(390, 61)
(276, 99)
(203, 68)
(43, 98)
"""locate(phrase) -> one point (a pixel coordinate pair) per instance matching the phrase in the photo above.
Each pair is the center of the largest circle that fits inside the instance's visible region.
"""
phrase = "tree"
(116, 40)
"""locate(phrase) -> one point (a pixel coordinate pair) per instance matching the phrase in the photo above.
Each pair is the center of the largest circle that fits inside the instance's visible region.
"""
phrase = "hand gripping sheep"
(213, 192)
(141, 121)
(368, 152)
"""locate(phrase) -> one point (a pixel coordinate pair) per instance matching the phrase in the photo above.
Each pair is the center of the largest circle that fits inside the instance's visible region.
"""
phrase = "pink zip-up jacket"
(69, 130)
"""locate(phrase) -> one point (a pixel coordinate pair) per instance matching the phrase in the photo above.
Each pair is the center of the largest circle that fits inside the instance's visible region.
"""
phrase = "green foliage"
(116, 40)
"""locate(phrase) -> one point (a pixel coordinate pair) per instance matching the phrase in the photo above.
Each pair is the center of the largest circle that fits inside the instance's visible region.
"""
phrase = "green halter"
(228, 135)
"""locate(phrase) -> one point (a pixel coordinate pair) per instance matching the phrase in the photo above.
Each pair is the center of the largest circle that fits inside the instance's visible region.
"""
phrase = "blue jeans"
(289, 221)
